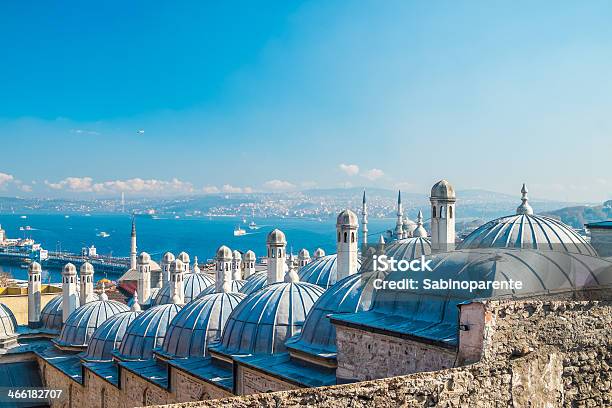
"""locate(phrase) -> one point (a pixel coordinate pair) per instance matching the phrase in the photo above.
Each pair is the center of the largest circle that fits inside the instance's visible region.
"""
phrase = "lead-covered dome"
(108, 336)
(276, 236)
(81, 323)
(408, 248)
(51, 315)
(322, 272)
(193, 285)
(199, 324)
(443, 189)
(254, 282)
(263, 321)
(8, 323)
(146, 332)
(235, 287)
(347, 217)
(224, 252)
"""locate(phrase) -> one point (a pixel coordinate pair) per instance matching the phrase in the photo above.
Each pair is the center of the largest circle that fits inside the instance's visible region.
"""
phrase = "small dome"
(86, 319)
(51, 315)
(144, 258)
(319, 253)
(255, 282)
(235, 286)
(350, 295)
(276, 236)
(168, 258)
(108, 336)
(69, 269)
(224, 253)
(8, 323)
(409, 225)
(322, 271)
(177, 266)
(303, 254)
(199, 324)
(250, 256)
(86, 269)
(237, 255)
(348, 218)
(34, 268)
(193, 285)
(184, 257)
(408, 248)
(147, 332)
(527, 231)
(443, 189)
(263, 321)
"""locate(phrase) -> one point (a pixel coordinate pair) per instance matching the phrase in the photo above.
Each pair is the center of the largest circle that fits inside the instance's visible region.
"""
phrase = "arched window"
(352, 237)
(103, 398)
(441, 212)
(434, 211)
(338, 236)
(345, 237)
(450, 212)
(280, 253)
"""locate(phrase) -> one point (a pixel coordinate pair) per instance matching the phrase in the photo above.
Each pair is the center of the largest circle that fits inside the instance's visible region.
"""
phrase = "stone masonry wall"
(534, 354)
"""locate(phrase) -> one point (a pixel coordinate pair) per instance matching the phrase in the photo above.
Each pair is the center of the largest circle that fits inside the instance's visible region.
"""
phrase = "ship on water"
(239, 231)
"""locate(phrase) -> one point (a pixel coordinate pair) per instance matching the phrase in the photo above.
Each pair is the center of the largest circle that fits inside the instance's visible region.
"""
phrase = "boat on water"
(253, 226)
(103, 234)
(28, 228)
(239, 231)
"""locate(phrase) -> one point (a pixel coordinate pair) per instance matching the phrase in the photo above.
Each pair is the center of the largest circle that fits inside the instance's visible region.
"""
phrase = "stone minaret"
(70, 298)
(2, 234)
(184, 257)
(249, 263)
(144, 278)
(34, 290)
(442, 216)
(224, 269)
(524, 208)
(277, 250)
(347, 225)
(87, 278)
(133, 245)
(399, 224)
(237, 266)
(303, 257)
(177, 291)
(165, 267)
(364, 221)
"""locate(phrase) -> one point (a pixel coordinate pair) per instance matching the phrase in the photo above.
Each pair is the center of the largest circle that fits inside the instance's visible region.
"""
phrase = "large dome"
(322, 271)
(199, 324)
(108, 336)
(147, 332)
(235, 286)
(51, 315)
(8, 324)
(255, 282)
(263, 321)
(408, 248)
(351, 294)
(85, 320)
(527, 231)
(193, 285)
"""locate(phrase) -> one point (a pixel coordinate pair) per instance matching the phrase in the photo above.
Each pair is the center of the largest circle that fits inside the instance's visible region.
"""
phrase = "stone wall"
(250, 381)
(188, 388)
(534, 354)
(101, 393)
(136, 391)
(73, 392)
(363, 355)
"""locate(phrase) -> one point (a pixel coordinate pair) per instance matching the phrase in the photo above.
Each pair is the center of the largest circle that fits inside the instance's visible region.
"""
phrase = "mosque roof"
(108, 336)
(322, 271)
(235, 285)
(193, 285)
(8, 323)
(254, 282)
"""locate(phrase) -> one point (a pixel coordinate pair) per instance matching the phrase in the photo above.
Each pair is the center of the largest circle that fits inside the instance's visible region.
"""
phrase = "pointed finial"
(420, 218)
(133, 225)
(135, 305)
(524, 208)
(419, 231)
(103, 295)
(364, 197)
(381, 240)
(399, 196)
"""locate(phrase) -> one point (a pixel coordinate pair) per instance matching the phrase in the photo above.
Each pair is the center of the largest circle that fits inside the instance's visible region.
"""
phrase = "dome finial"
(524, 208)
(135, 305)
(419, 231)
(103, 295)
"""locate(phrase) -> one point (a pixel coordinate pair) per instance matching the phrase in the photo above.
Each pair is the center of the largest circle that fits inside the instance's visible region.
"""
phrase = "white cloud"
(25, 188)
(228, 188)
(349, 169)
(5, 179)
(84, 132)
(134, 185)
(210, 190)
(373, 174)
(278, 185)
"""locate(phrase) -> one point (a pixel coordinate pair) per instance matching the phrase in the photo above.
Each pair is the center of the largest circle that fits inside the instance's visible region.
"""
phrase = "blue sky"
(241, 96)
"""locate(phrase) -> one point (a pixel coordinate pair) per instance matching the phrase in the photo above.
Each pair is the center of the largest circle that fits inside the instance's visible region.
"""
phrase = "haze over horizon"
(159, 99)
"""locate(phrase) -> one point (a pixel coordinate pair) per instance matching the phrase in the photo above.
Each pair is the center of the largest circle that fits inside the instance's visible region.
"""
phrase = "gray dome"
(235, 286)
(199, 324)
(350, 295)
(146, 332)
(86, 269)
(237, 255)
(8, 323)
(408, 248)
(144, 258)
(224, 253)
(51, 315)
(85, 320)
(108, 336)
(254, 282)
(183, 257)
(249, 256)
(319, 253)
(276, 236)
(168, 257)
(347, 217)
(193, 285)
(322, 271)
(443, 189)
(263, 321)
(527, 231)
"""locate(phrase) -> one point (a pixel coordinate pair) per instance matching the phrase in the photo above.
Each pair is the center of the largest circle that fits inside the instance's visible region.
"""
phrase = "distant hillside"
(579, 215)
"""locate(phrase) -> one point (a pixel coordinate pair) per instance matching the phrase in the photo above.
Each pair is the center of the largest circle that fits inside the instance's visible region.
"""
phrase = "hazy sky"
(283, 95)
